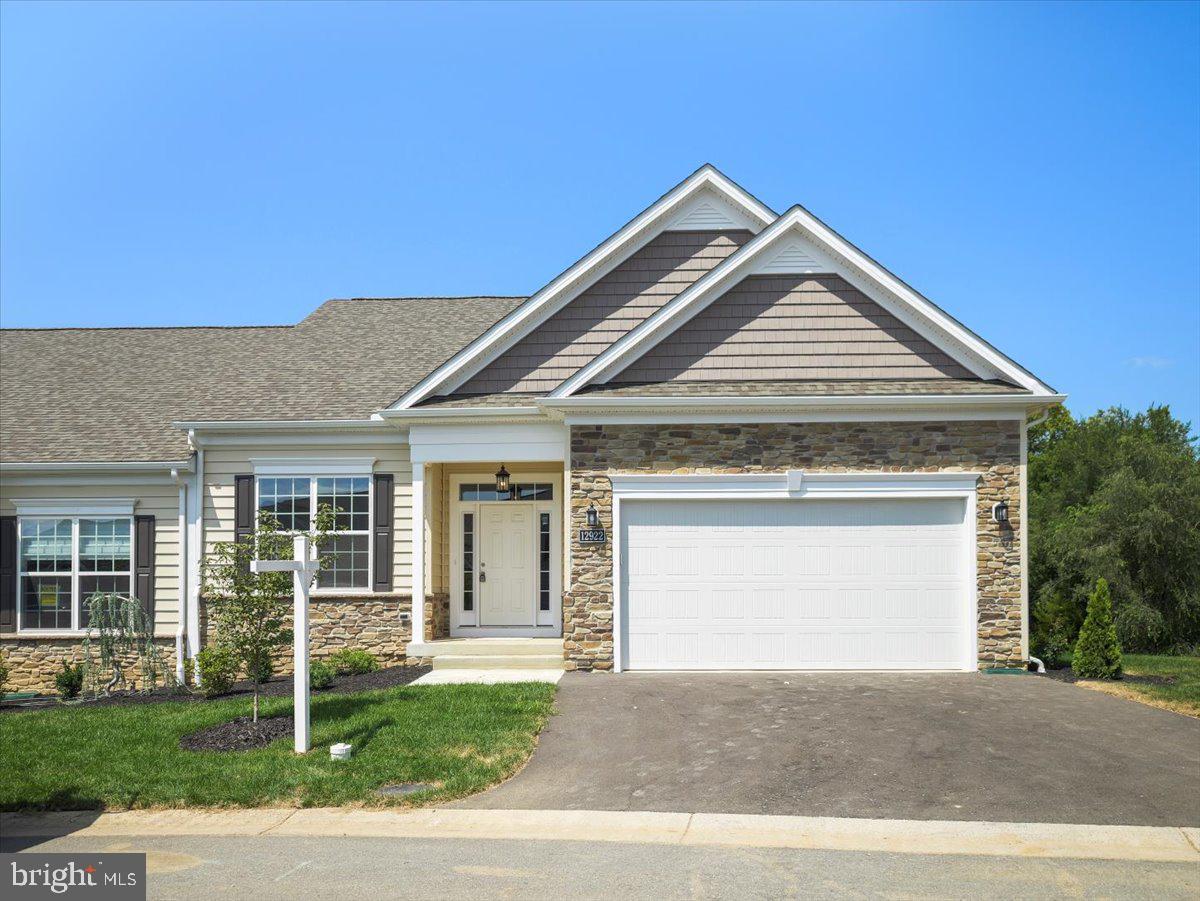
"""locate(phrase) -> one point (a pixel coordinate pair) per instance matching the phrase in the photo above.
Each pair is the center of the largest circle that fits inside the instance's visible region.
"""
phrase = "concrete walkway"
(1135, 843)
(918, 746)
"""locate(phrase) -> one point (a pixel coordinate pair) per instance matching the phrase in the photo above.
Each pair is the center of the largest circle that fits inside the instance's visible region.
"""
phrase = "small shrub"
(352, 661)
(1097, 652)
(320, 674)
(218, 670)
(1056, 649)
(1140, 627)
(69, 680)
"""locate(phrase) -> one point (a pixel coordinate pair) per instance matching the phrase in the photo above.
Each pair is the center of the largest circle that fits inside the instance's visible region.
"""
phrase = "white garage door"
(795, 584)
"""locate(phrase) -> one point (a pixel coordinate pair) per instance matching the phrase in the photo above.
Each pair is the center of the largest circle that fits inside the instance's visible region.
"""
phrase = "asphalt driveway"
(922, 746)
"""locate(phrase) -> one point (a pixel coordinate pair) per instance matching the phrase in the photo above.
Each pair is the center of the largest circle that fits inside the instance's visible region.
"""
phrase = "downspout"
(195, 554)
(181, 628)
(1025, 523)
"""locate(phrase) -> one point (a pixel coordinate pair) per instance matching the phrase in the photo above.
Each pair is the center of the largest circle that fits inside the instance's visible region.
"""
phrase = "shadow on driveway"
(954, 746)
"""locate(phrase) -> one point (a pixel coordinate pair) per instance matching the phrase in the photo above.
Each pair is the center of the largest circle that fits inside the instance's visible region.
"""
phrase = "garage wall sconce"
(593, 517)
(1000, 513)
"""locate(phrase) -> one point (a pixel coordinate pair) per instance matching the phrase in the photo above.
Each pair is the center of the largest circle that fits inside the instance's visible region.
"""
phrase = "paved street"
(950, 746)
(287, 868)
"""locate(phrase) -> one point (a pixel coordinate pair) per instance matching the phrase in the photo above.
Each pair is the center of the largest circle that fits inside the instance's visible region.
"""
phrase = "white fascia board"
(435, 413)
(521, 321)
(910, 307)
(114, 467)
(267, 425)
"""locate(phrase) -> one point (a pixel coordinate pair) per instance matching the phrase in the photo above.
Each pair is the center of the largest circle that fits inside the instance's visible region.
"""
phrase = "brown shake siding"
(618, 302)
(793, 327)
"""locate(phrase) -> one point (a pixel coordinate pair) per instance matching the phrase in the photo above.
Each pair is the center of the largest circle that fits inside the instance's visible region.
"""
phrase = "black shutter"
(8, 573)
(382, 532)
(143, 563)
(243, 509)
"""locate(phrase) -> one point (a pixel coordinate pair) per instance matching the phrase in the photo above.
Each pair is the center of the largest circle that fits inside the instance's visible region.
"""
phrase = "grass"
(1182, 696)
(461, 738)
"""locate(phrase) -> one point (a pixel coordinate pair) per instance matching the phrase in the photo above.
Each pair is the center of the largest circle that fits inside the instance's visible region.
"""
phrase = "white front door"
(506, 566)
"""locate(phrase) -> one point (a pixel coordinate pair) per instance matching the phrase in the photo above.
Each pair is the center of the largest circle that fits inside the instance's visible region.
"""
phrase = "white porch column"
(418, 552)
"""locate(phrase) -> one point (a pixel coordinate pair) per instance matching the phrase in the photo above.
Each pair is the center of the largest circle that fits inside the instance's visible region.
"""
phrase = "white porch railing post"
(418, 552)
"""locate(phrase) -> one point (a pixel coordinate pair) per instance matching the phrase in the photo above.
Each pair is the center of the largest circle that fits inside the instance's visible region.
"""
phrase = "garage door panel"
(794, 584)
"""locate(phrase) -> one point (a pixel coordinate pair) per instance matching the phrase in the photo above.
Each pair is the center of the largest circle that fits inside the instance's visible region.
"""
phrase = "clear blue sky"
(1034, 169)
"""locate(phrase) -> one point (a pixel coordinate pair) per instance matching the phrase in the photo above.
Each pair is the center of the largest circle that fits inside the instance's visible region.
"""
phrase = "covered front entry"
(505, 554)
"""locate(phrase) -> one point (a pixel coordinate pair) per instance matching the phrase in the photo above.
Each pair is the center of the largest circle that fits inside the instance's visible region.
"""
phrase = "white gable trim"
(635, 234)
(806, 230)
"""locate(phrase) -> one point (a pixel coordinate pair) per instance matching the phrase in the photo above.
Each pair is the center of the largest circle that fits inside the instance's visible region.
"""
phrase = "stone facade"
(34, 662)
(377, 623)
(991, 448)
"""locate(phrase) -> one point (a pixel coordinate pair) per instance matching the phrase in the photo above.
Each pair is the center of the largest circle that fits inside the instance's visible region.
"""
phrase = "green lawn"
(1183, 695)
(463, 738)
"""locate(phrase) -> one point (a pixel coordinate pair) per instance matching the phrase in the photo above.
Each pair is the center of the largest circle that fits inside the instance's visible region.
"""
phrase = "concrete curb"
(1048, 840)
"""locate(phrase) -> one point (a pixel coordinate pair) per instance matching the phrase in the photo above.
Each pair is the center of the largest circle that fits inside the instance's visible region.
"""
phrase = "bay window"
(63, 561)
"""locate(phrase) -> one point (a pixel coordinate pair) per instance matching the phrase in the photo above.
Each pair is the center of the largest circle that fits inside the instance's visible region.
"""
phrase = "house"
(724, 439)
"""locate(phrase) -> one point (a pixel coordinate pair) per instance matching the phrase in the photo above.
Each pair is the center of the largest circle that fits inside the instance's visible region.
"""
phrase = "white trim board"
(74, 506)
(558, 293)
(490, 443)
(799, 485)
(313, 466)
(798, 225)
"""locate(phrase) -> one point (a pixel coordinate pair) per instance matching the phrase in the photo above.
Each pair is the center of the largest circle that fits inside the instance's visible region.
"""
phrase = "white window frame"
(313, 476)
(76, 598)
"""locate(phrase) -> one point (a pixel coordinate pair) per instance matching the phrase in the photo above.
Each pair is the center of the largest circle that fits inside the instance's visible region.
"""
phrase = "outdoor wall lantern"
(502, 480)
(593, 517)
(1000, 512)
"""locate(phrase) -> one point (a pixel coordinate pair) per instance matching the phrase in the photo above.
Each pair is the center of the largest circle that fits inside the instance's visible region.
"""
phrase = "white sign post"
(303, 567)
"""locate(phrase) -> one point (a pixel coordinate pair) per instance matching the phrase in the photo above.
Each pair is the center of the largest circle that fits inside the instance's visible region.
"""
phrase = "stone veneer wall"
(380, 624)
(992, 448)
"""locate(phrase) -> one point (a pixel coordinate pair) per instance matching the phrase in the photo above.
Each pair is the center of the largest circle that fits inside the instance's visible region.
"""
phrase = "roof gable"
(705, 194)
(800, 243)
(792, 327)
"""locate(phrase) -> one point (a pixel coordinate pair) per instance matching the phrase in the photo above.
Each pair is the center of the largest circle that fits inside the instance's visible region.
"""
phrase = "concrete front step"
(498, 661)
(482, 647)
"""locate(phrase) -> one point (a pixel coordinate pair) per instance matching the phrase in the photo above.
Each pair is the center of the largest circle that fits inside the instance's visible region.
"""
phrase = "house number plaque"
(592, 536)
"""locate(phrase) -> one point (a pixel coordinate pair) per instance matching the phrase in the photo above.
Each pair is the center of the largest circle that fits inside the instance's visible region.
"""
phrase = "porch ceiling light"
(502, 480)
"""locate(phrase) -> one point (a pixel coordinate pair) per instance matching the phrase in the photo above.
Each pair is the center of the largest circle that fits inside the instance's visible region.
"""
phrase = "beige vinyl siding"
(158, 500)
(616, 303)
(221, 464)
(792, 327)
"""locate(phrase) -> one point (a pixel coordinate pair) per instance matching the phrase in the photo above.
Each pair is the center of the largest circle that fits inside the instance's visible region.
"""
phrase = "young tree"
(250, 610)
(1098, 653)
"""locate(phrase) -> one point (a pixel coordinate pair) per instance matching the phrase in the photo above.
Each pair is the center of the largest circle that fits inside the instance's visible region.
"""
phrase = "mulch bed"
(1067, 675)
(280, 686)
(238, 735)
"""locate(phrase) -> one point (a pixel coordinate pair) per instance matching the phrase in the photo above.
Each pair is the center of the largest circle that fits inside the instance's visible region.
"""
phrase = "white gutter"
(92, 466)
(744, 402)
(458, 412)
(194, 540)
(264, 425)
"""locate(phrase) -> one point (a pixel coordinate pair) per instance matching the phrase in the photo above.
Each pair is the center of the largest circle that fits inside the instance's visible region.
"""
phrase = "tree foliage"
(1097, 652)
(1115, 496)
(251, 611)
(118, 628)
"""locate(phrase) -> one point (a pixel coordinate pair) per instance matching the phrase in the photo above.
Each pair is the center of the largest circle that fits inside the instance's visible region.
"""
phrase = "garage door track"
(921, 746)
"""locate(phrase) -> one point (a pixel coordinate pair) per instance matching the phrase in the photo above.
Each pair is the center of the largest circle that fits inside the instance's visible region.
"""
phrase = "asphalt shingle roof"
(111, 394)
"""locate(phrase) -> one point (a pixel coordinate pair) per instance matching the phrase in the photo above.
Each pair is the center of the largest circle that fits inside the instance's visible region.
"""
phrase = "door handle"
(482, 573)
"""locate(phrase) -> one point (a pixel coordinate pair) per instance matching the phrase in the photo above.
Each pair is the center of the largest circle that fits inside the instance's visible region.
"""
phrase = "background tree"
(251, 611)
(1115, 496)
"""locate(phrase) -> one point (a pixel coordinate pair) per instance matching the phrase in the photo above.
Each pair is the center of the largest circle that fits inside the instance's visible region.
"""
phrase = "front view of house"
(726, 438)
